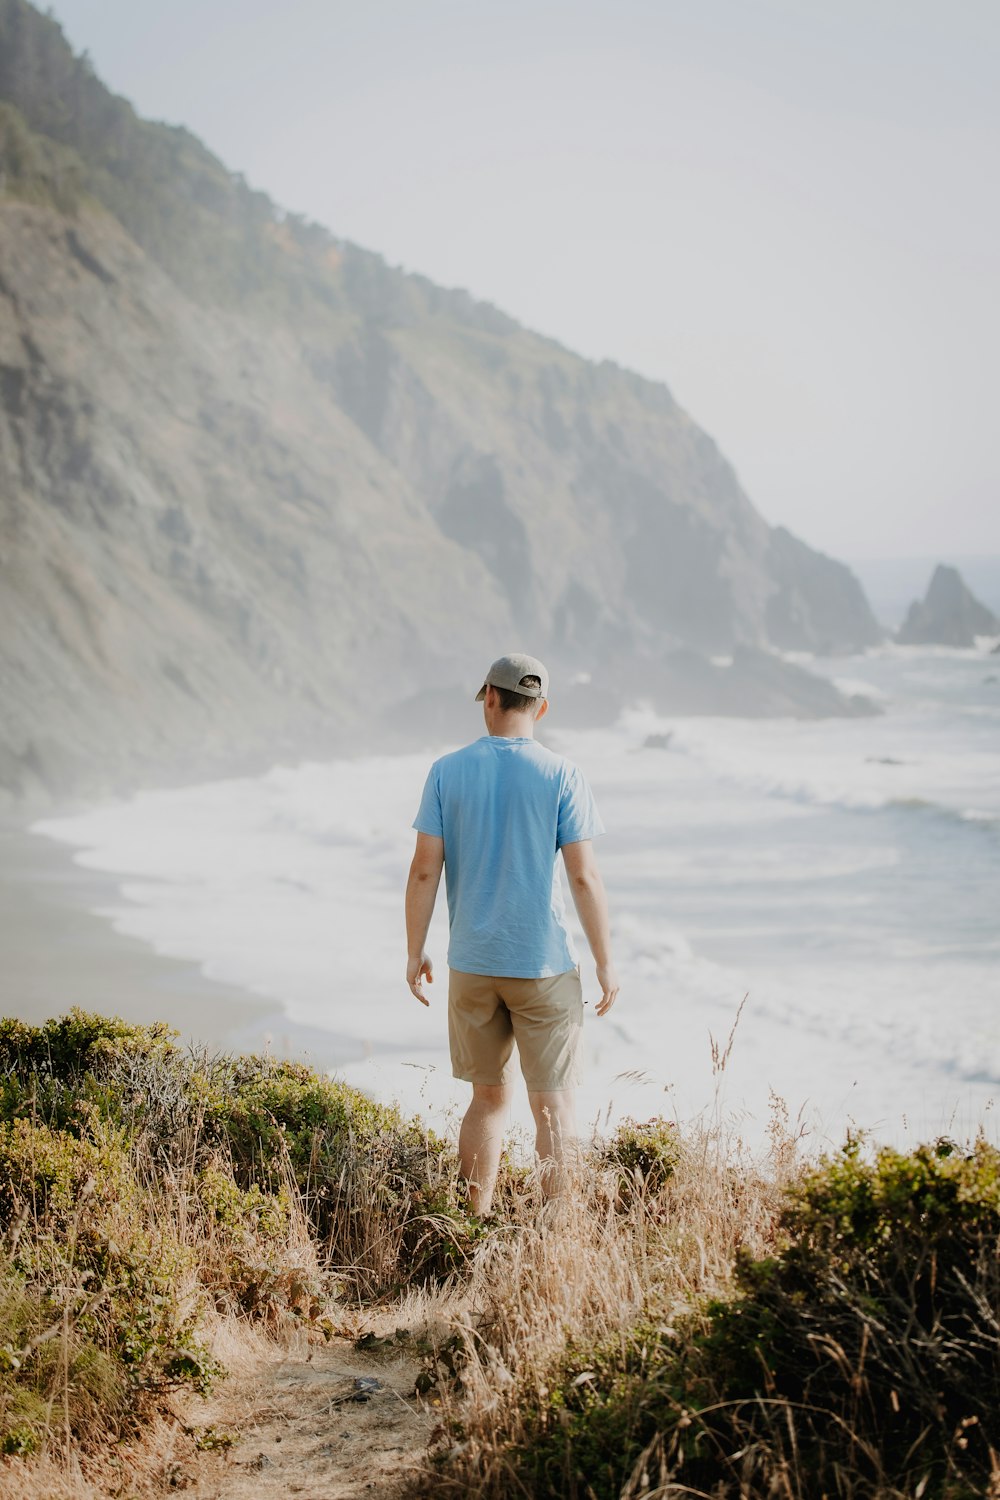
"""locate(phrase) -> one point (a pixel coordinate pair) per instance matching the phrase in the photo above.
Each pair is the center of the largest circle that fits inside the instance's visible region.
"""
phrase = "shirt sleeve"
(578, 815)
(428, 819)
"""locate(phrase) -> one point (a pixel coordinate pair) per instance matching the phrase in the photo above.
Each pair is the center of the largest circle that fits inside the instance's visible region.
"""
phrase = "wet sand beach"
(56, 952)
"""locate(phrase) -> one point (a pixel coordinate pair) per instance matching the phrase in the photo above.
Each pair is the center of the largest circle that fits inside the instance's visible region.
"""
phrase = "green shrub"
(67, 1047)
(643, 1156)
(23, 1413)
(43, 1172)
(379, 1190)
(93, 1277)
(862, 1359)
(374, 1185)
(24, 1420)
(81, 1065)
(602, 1408)
(270, 1112)
(37, 169)
(140, 1183)
(877, 1319)
(243, 1213)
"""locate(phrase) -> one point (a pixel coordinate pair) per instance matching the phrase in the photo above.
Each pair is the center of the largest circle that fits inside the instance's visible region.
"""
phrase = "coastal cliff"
(257, 486)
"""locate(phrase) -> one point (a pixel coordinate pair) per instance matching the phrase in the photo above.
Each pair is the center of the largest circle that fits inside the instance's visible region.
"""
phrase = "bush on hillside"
(380, 1191)
(862, 1359)
(141, 1185)
(643, 1157)
(98, 1288)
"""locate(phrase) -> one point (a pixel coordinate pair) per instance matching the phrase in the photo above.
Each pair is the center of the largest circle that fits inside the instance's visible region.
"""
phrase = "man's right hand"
(608, 980)
(587, 888)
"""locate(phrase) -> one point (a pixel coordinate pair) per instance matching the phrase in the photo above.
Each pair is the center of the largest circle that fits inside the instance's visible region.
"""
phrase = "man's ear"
(543, 709)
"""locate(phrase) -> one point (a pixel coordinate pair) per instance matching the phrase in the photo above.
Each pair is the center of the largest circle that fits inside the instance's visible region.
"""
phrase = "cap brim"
(481, 694)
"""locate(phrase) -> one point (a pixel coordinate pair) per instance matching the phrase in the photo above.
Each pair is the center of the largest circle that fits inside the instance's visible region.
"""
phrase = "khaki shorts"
(487, 1015)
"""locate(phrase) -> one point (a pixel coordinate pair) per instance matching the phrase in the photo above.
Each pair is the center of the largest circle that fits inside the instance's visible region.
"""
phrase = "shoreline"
(59, 952)
(754, 876)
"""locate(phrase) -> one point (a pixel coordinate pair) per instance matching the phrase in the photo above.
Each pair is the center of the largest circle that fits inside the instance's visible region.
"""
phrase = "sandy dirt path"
(300, 1429)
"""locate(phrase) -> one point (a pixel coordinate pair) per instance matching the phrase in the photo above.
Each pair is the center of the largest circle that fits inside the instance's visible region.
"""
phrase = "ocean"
(834, 884)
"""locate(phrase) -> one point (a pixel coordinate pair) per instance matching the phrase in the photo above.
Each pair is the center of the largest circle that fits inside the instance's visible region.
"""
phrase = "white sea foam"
(858, 687)
(790, 862)
(982, 647)
(917, 756)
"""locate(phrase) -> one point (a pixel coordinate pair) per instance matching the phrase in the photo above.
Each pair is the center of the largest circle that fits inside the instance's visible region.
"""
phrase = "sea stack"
(948, 615)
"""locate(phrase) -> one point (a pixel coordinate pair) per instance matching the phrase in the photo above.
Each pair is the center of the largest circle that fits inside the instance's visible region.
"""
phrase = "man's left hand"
(416, 970)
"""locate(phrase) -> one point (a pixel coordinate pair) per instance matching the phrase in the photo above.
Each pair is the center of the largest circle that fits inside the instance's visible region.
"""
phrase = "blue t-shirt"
(504, 807)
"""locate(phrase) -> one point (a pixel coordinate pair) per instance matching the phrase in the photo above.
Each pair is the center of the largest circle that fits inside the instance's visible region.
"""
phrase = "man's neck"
(512, 727)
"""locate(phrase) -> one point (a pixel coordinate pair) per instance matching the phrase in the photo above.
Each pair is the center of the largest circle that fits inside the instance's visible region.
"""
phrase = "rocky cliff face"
(256, 486)
(948, 615)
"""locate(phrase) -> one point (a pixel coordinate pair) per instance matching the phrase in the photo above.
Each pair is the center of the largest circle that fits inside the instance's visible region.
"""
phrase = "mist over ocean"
(842, 874)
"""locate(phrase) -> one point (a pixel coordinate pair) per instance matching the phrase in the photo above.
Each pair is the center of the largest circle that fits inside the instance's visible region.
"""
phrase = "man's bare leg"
(555, 1134)
(480, 1141)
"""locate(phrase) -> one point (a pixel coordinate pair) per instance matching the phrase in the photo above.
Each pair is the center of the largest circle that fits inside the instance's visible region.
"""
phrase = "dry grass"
(619, 1247)
(268, 1228)
(576, 1274)
(770, 1327)
(160, 1213)
(98, 1439)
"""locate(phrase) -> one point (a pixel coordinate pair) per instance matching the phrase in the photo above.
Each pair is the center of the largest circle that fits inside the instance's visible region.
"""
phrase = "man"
(493, 816)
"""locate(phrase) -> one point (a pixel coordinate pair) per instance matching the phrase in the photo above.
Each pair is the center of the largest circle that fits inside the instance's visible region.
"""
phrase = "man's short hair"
(520, 703)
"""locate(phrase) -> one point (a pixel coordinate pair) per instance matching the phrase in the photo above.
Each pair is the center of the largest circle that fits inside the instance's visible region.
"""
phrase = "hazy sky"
(786, 209)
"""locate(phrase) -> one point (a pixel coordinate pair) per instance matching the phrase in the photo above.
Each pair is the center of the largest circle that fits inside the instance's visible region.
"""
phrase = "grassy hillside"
(684, 1319)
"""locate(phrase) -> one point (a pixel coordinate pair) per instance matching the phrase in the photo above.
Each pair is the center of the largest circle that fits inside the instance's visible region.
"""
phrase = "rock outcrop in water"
(256, 486)
(948, 615)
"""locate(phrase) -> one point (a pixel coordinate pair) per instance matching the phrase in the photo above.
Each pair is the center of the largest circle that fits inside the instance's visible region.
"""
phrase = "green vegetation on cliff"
(683, 1320)
(143, 1187)
(860, 1357)
(66, 138)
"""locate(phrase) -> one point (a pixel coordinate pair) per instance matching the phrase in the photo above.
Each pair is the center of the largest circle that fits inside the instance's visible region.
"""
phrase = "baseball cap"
(508, 672)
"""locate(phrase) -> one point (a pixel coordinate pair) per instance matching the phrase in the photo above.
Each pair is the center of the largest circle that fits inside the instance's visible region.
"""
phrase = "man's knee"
(555, 1108)
(492, 1095)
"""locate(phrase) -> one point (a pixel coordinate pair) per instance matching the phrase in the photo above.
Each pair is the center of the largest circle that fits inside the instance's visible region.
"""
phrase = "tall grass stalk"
(560, 1281)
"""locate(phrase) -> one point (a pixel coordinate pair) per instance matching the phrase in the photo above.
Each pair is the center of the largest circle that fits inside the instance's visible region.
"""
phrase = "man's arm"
(421, 893)
(592, 908)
